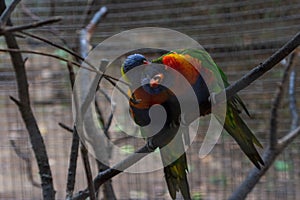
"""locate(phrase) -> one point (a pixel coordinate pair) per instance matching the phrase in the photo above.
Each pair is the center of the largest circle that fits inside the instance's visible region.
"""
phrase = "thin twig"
(25, 109)
(7, 12)
(65, 127)
(72, 165)
(107, 77)
(115, 170)
(71, 52)
(259, 70)
(71, 74)
(275, 147)
(27, 159)
(52, 30)
(292, 100)
(28, 12)
(92, 128)
(74, 146)
(41, 53)
(29, 26)
(230, 91)
(87, 168)
(87, 11)
(277, 102)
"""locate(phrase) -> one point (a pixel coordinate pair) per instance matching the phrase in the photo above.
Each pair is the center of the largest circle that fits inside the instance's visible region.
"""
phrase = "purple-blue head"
(133, 61)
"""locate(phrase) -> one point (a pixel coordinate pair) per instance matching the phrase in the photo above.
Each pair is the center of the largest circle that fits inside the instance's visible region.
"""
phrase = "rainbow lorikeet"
(169, 142)
(194, 65)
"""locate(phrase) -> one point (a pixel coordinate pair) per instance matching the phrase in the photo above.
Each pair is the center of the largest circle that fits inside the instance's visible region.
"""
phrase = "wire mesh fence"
(238, 34)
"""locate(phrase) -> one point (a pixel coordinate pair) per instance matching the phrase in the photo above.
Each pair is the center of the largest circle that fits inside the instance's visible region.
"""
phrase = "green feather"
(234, 125)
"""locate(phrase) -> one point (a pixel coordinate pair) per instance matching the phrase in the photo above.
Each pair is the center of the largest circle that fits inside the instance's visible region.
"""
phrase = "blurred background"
(238, 34)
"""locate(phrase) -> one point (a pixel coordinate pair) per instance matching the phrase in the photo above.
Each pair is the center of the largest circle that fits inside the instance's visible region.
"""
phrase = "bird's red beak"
(146, 62)
(156, 80)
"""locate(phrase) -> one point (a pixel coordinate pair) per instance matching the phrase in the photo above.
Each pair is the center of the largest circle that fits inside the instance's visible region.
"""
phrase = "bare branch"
(76, 55)
(74, 146)
(292, 100)
(91, 127)
(277, 102)
(7, 12)
(89, 176)
(275, 147)
(27, 159)
(115, 170)
(35, 136)
(87, 11)
(72, 164)
(40, 53)
(269, 155)
(65, 127)
(28, 12)
(259, 70)
(29, 26)
(287, 139)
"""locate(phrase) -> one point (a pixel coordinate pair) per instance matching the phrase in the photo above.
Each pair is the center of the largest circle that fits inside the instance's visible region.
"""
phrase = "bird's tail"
(238, 129)
(176, 172)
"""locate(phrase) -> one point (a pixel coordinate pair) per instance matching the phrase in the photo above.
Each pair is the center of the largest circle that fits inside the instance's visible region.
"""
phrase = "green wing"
(234, 125)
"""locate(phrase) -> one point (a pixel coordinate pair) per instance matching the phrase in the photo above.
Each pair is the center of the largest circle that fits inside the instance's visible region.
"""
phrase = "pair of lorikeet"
(200, 71)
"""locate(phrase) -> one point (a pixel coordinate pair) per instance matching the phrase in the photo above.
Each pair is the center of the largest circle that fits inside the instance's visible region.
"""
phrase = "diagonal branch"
(292, 100)
(275, 147)
(277, 102)
(29, 26)
(7, 12)
(230, 91)
(262, 68)
(23, 104)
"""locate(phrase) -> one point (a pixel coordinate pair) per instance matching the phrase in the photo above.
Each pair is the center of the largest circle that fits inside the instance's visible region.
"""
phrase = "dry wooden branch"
(277, 101)
(262, 68)
(90, 127)
(27, 159)
(275, 146)
(27, 115)
(292, 100)
(242, 83)
(29, 26)
(7, 12)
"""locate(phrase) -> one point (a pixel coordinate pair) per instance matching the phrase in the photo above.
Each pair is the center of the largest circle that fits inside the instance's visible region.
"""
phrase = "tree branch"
(292, 100)
(7, 12)
(89, 117)
(259, 70)
(27, 159)
(277, 102)
(29, 26)
(88, 172)
(230, 91)
(28, 117)
(103, 176)
(13, 50)
(275, 146)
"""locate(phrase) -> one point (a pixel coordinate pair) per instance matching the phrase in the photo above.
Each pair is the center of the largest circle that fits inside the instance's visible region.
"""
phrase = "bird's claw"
(183, 120)
(150, 146)
(212, 98)
(135, 101)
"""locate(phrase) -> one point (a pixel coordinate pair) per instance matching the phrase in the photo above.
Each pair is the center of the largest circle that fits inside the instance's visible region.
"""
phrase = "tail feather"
(237, 128)
(175, 167)
(175, 175)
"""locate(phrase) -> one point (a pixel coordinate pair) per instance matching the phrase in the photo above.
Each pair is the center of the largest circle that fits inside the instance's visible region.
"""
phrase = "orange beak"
(156, 80)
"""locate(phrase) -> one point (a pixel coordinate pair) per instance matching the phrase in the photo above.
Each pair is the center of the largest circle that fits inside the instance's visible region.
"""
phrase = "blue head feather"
(132, 61)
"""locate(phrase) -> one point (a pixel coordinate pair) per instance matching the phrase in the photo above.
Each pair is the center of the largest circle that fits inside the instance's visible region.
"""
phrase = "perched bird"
(197, 66)
(168, 139)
